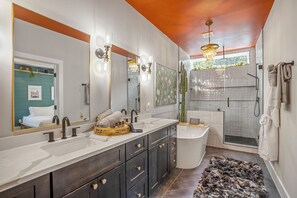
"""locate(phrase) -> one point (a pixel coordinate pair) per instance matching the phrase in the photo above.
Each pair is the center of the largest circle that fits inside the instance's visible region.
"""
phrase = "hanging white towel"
(270, 121)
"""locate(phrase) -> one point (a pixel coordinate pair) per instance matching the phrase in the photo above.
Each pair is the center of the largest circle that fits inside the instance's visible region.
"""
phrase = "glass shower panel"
(231, 90)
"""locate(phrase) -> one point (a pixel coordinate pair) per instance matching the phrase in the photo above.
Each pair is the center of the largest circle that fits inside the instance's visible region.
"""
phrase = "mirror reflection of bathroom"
(133, 86)
(125, 83)
(51, 76)
(34, 94)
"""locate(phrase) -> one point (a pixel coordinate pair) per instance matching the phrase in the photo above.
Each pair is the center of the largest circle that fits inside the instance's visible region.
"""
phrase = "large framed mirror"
(125, 81)
(51, 72)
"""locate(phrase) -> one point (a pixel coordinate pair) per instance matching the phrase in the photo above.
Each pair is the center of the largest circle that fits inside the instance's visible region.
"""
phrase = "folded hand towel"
(104, 114)
(110, 120)
(287, 72)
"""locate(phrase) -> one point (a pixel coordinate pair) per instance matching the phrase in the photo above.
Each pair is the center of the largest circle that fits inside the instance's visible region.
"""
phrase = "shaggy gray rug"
(230, 178)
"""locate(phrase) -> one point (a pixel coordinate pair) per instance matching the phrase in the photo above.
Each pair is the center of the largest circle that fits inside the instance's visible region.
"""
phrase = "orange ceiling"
(237, 23)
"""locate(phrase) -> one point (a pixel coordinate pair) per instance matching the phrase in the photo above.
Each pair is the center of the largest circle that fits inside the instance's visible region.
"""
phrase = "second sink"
(68, 146)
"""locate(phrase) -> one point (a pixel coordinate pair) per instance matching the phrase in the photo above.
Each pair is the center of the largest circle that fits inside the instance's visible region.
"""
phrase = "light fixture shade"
(210, 51)
(133, 66)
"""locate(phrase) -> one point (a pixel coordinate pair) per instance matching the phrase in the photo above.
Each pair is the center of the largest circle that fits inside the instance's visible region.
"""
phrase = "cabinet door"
(89, 190)
(37, 188)
(172, 151)
(163, 159)
(158, 164)
(69, 178)
(154, 179)
(113, 183)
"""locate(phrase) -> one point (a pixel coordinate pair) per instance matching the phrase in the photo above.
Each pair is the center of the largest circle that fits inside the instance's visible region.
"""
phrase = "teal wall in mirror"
(23, 80)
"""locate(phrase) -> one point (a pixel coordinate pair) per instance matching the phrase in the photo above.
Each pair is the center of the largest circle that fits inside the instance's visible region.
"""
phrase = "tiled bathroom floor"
(182, 182)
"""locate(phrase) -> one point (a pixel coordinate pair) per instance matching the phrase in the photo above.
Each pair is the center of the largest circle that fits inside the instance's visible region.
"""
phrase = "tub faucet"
(64, 122)
(132, 112)
(56, 120)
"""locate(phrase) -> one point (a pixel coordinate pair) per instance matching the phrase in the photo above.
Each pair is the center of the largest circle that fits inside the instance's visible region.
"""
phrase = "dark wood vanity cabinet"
(137, 168)
(172, 147)
(162, 156)
(158, 158)
(131, 170)
(140, 190)
(109, 185)
(73, 177)
(89, 190)
(113, 183)
(37, 188)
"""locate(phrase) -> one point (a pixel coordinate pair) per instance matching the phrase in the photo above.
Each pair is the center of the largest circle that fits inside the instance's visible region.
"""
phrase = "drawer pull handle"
(95, 186)
(163, 144)
(173, 143)
(173, 161)
(138, 145)
(138, 195)
(138, 168)
(160, 146)
(103, 181)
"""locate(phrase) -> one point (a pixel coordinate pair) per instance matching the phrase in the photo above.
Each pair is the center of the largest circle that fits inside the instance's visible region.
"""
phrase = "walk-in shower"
(233, 90)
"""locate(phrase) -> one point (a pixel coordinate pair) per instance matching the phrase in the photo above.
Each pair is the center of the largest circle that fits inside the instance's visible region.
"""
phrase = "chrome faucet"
(56, 120)
(135, 119)
(64, 122)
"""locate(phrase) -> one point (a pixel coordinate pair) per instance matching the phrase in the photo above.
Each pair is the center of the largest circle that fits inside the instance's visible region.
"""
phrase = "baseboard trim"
(277, 181)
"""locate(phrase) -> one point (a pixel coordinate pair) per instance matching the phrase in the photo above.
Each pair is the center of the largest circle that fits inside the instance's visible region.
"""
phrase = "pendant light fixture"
(209, 50)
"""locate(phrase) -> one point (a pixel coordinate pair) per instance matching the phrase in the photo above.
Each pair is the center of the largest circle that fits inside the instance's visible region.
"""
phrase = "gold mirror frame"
(50, 24)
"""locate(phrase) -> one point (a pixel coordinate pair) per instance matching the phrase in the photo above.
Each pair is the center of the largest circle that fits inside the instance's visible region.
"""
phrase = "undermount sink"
(142, 125)
(69, 146)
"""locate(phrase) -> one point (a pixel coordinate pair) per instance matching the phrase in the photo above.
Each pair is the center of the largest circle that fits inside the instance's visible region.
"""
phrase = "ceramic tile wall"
(215, 120)
(210, 89)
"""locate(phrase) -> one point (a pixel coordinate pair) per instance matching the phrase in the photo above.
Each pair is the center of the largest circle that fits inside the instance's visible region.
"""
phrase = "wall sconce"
(104, 54)
(146, 66)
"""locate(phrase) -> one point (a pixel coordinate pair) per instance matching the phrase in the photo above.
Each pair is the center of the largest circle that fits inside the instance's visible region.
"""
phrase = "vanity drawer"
(140, 190)
(72, 177)
(135, 147)
(136, 169)
(156, 137)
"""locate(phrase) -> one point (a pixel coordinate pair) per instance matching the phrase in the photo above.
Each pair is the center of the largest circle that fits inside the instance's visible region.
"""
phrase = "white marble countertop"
(22, 164)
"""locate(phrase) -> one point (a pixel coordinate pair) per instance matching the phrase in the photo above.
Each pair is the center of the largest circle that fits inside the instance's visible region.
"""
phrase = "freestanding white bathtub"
(191, 145)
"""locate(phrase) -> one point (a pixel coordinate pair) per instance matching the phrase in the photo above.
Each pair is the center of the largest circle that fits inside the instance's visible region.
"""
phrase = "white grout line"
(172, 183)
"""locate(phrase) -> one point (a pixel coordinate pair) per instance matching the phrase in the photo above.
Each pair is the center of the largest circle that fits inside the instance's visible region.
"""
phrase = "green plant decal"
(183, 88)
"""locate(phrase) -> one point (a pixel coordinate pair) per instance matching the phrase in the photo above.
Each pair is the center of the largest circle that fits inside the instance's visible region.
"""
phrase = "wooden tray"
(112, 131)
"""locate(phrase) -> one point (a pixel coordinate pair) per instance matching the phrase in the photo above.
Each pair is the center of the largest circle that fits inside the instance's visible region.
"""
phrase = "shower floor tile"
(241, 140)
